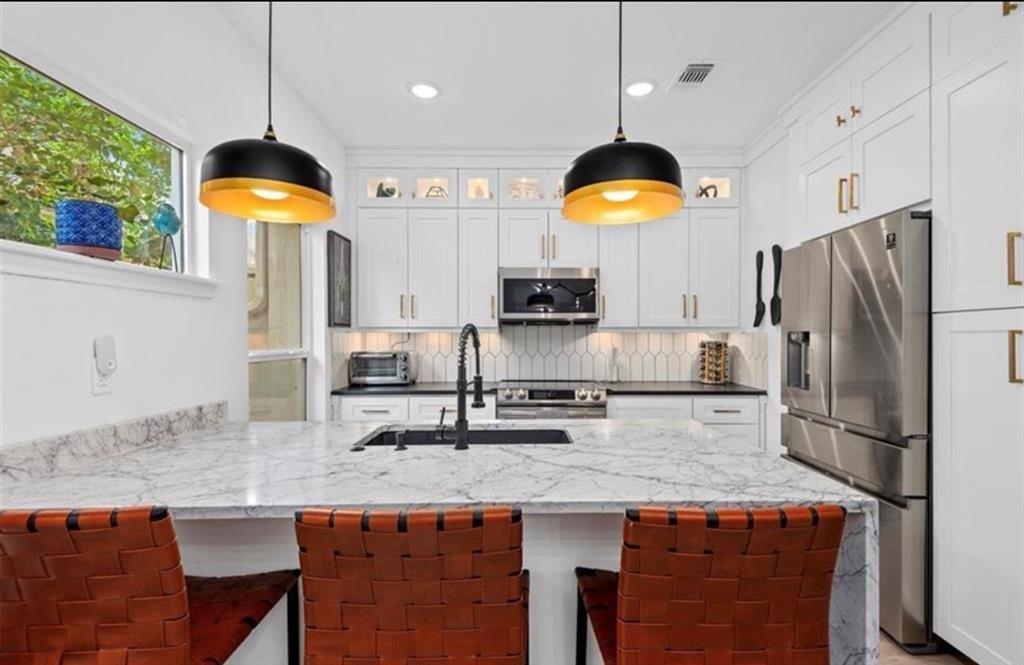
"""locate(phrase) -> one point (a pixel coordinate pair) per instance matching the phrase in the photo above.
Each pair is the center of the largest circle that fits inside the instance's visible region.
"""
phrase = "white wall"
(765, 219)
(183, 71)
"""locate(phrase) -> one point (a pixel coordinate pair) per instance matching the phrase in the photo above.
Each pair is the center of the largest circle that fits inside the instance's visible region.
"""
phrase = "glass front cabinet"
(478, 188)
(412, 188)
(711, 187)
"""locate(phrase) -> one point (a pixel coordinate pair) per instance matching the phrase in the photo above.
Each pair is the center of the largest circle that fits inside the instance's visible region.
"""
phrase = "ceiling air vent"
(693, 75)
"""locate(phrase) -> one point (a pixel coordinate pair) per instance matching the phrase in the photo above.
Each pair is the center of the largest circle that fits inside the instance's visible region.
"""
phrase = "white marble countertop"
(271, 469)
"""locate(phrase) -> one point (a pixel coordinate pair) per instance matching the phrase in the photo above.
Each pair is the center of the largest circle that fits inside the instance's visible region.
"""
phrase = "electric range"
(528, 399)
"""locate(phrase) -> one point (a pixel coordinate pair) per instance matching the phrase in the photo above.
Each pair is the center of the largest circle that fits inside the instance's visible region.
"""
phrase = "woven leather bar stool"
(702, 587)
(424, 587)
(106, 586)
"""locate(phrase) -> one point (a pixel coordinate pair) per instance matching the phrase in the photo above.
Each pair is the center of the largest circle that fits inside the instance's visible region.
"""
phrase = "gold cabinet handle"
(685, 315)
(543, 246)
(1009, 7)
(854, 111)
(604, 307)
(1011, 258)
(412, 305)
(554, 246)
(840, 205)
(401, 305)
(1013, 335)
(492, 305)
(695, 305)
(840, 120)
(853, 196)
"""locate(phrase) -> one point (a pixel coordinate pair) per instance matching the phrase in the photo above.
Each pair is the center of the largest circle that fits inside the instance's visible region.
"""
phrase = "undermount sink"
(402, 436)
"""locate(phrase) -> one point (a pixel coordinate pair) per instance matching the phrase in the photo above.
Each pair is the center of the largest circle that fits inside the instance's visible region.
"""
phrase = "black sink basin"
(400, 437)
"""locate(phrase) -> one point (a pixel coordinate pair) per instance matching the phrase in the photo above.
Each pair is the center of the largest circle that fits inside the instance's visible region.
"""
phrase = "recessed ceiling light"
(424, 90)
(640, 88)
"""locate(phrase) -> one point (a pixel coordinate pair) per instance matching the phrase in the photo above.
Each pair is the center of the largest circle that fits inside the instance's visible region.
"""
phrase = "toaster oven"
(385, 368)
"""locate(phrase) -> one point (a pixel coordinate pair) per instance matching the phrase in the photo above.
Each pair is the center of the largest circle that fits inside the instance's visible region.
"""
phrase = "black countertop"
(619, 388)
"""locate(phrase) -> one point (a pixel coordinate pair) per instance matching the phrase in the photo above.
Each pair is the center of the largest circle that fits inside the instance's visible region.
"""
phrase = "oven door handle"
(551, 412)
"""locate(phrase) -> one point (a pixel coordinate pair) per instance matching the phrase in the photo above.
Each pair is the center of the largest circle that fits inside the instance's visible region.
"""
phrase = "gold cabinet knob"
(1009, 7)
(840, 121)
(854, 111)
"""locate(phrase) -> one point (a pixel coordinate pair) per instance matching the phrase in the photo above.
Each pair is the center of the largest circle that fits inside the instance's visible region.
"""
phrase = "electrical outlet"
(100, 382)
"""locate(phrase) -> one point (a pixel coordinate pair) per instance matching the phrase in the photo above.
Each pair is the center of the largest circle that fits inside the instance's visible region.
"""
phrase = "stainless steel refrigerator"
(855, 379)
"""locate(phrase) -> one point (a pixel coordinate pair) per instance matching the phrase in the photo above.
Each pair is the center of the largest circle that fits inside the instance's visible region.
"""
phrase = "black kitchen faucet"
(461, 384)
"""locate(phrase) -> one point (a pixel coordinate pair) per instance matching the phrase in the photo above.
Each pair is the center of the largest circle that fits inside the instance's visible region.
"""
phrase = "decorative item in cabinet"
(711, 187)
(714, 362)
(478, 188)
(339, 280)
(383, 187)
(525, 188)
(434, 188)
(522, 188)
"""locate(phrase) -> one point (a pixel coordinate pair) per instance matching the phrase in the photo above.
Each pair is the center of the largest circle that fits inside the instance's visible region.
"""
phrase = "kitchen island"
(233, 489)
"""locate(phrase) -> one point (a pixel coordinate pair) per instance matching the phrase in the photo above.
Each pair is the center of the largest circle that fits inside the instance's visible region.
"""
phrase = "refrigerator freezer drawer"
(876, 466)
(904, 571)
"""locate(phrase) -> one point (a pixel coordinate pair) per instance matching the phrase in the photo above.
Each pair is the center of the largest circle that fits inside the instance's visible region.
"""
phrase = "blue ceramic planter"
(88, 227)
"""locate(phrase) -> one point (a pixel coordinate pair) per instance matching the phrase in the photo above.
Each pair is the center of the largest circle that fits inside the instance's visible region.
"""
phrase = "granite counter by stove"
(617, 388)
(217, 482)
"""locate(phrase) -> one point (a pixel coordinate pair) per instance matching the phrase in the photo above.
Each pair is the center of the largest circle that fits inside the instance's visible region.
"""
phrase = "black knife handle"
(777, 260)
(759, 261)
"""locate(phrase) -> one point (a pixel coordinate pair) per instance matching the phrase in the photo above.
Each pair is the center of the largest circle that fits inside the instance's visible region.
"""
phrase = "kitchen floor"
(891, 654)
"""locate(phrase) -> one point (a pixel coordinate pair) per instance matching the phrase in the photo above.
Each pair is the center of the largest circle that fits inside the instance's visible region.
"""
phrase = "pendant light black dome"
(264, 179)
(622, 182)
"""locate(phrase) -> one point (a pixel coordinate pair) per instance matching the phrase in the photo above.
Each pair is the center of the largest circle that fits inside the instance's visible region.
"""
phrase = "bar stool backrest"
(727, 586)
(423, 586)
(93, 586)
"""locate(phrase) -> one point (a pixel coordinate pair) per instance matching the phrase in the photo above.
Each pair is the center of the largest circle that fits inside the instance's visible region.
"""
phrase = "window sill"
(24, 260)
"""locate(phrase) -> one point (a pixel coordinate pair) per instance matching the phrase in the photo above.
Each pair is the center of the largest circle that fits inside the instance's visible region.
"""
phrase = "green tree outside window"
(56, 144)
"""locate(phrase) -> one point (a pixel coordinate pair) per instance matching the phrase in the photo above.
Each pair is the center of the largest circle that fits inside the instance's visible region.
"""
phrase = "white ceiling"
(532, 75)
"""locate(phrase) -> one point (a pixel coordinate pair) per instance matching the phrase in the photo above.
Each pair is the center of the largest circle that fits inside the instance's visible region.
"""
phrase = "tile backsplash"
(562, 352)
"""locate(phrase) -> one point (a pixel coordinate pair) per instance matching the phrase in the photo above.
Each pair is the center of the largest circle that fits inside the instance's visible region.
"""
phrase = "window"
(277, 353)
(56, 144)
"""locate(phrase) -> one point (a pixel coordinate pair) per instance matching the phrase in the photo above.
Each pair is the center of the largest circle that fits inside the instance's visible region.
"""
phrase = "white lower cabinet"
(385, 408)
(403, 409)
(428, 408)
(643, 407)
(978, 467)
(739, 417)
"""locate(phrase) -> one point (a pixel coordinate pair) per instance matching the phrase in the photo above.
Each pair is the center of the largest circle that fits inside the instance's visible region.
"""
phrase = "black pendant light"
(264, 179)
(622, 182)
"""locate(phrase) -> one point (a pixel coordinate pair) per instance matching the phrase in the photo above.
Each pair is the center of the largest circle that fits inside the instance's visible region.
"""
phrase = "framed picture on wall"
(339, 280)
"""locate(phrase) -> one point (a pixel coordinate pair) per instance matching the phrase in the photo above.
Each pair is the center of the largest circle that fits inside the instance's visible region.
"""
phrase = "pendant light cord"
(269, 134)
(619, 134)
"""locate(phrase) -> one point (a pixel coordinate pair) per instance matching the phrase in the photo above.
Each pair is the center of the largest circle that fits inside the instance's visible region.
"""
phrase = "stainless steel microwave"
(367, 368)
(548, 295)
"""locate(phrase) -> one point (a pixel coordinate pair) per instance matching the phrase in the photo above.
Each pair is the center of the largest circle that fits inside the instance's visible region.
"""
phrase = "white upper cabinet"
(382, 265)
(523, 188)
(571, 244)
(663, 297)
(555, 187)
(478, 188)
(433, 188)
(823, 191)
(824, 122)
(963, 32)
(478, 268)
(714, 268)
(433, 269)
(523, 238)
(711, 187)
(618, 273)
(383, 187)
(891, 69)
(978, 463)
(978, 143)
(891, 167)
